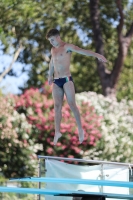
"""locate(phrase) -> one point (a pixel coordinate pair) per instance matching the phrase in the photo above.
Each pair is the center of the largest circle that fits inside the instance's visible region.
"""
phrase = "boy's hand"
(50, 80)
(102, 58)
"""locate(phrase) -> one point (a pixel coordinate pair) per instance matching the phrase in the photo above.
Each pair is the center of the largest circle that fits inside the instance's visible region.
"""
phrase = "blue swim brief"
(61, 81)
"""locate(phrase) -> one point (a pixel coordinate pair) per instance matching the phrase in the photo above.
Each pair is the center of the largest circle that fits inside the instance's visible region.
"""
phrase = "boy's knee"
(57, 106)
(72, 104)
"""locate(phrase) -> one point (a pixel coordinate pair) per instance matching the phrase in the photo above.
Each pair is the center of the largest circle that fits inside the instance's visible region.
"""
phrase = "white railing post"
(39, 175)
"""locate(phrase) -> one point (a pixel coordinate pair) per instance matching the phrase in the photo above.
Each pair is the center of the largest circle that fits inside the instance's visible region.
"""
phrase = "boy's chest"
(59, 53)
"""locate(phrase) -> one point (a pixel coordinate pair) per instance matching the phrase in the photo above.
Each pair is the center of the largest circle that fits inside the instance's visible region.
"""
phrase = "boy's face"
(53, 40)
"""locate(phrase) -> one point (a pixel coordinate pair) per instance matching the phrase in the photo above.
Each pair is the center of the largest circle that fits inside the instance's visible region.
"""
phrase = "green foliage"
(116, 143)
(16, 147)
(28, 22)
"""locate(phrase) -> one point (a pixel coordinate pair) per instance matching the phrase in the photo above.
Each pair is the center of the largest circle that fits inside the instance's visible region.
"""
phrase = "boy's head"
(53, 35)
(52, 32)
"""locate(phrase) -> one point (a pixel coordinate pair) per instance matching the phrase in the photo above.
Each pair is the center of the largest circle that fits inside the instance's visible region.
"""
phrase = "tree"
(69, 16)
(16, 147)
(39, 110)
(110, 79)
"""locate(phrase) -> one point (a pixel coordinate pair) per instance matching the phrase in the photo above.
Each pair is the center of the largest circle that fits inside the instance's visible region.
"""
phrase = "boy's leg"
(70, 95)
(58, 94)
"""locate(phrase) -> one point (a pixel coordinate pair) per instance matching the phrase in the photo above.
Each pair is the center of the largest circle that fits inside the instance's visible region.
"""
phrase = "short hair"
(52, 32)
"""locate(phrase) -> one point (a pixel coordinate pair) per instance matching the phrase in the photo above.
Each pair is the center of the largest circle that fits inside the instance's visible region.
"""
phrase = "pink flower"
(64, 147)
(70, 156)
(48, 140)
(49, 150)
(43, 119)
(58, 144)
(29, 102)
(9, 124)
(90, 126)
(63, 130)
(33, 118)
(38, 105)
(39, 126)
(74, 138)
(38, 110)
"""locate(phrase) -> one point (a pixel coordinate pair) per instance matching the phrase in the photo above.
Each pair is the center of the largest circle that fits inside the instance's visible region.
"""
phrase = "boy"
(63, 82)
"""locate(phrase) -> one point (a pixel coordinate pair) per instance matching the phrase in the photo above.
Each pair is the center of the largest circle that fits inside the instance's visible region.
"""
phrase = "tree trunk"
(13, 61)
(109, 79)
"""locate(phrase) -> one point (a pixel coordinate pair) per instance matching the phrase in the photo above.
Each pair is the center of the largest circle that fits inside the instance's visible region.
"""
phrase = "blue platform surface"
(62, 192)
(77, 181)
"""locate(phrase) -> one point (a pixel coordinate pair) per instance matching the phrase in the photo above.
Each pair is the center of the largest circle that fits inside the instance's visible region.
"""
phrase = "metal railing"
(130, 165)
(84, 160)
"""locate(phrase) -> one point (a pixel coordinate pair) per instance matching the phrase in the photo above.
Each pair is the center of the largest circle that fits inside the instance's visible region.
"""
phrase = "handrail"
(76, 181)
(84, 160)
(63, 192)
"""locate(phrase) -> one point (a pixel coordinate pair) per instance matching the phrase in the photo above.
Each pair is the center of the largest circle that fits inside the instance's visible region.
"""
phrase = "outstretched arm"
(51, 72)
(71, 47)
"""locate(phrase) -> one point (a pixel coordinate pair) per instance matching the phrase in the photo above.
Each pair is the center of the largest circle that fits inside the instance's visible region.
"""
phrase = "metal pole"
(84, 160)
(102, 177)
(39, 175)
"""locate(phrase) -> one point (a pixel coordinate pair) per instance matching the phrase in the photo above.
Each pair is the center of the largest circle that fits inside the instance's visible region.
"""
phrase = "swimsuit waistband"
(63, 77)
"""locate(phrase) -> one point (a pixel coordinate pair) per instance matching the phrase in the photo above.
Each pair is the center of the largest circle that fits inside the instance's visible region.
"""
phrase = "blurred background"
(104, 92)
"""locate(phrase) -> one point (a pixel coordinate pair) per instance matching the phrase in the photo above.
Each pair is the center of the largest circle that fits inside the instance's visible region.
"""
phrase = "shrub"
(116, 143)
(39, 110)
(17, 155)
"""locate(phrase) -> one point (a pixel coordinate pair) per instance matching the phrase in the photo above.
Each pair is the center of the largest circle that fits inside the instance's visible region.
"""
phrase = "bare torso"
(61, 60)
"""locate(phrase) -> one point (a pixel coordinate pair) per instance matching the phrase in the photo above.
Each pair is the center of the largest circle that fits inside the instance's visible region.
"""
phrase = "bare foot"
(56, 137)
(81, 136)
